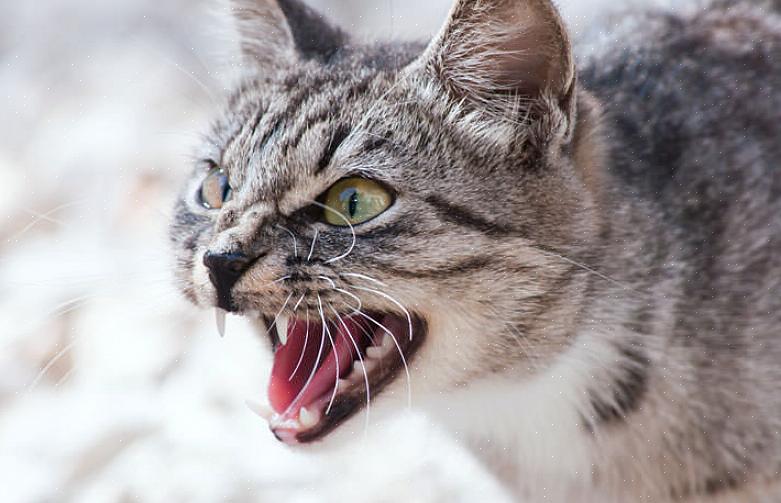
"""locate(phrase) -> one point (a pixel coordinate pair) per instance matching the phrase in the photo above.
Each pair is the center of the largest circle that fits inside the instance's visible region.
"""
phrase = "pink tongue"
(299, 359)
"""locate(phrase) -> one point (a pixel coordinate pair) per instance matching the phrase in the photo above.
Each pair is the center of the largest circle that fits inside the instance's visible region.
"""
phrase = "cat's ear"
(490, 49)
(278, 32)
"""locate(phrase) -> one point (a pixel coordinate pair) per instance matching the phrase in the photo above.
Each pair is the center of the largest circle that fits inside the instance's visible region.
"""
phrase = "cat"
(574, 267)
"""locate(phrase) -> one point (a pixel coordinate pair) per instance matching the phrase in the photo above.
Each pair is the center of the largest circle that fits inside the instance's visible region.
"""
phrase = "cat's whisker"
(303, 348)
(52, 361)
(360, 359)
(279, 313)
(353, 296)
(398, 348)
(45, 216)
(363, 276)
(295, 308)
(349, 224)
(312, 247)
(391, 299)
(65, 377)
(336, 377)
(329, 280)
(293, 236)
(588, 269)
(191, 76)
(317, 359)
(523, 345)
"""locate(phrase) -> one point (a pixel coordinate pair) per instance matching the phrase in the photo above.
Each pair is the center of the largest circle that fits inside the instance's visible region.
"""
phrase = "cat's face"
(392, 220)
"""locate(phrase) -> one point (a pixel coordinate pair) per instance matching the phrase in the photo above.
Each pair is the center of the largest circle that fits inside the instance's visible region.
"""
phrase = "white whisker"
(357, 299)
(295, 308)
(295, 243)
(388, 297)
(317, 360)
(352, 230)
(363, 276)
(303, 348)
(329, 280)
(312, 247)
(336, 377)
(50, 364)
(401, 353)
(360, 358)
(588, 269)
(276, 318)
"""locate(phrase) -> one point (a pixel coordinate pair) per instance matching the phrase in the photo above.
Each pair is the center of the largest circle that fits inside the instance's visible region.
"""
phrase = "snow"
(114, 388)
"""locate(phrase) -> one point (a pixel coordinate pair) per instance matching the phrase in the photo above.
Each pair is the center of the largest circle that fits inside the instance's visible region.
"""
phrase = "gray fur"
(637, 212)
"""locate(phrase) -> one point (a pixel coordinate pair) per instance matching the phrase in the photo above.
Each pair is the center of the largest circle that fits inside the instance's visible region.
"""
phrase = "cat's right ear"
(275, 33)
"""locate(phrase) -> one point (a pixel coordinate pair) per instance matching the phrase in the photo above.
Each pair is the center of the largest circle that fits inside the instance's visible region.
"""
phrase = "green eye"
(215, 190)
(355, 200)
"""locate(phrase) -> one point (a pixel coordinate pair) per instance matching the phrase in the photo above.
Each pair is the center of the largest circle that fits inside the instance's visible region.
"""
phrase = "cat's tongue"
(308, 365)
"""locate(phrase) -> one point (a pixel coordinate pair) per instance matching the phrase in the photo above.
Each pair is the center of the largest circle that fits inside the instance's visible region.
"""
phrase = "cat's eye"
(215, 189)
(355, 201)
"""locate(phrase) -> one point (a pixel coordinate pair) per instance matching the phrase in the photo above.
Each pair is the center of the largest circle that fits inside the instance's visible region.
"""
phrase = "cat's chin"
(324, 373)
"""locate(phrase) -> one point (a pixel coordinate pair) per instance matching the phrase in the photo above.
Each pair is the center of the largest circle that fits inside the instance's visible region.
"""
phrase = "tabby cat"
(575, 267)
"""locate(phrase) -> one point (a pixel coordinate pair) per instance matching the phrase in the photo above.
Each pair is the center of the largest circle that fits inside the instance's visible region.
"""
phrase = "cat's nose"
(225, 269)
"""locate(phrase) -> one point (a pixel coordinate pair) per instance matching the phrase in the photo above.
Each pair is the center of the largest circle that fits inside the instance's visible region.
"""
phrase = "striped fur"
(596, 255)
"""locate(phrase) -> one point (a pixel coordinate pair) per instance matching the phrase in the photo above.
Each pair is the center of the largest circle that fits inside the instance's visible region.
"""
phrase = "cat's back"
(693, 113)
(693, 108)
(693, 99)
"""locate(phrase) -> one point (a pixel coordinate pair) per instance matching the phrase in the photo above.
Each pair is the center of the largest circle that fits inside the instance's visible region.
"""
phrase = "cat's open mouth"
(324, 373)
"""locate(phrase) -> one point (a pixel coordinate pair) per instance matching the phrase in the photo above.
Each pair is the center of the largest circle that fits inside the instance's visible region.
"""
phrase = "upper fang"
(282, 324)
(220, 318)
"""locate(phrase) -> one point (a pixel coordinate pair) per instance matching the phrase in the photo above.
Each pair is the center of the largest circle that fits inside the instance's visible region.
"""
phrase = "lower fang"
(220, 318)
(308, 418)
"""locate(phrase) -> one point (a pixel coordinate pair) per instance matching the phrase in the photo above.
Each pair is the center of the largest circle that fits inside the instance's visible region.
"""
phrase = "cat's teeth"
(282, 324)
(260, 409)
(308, 418)
(375, 352)
(342, 385)
(364, 366)
(220, 318)
(387, 341)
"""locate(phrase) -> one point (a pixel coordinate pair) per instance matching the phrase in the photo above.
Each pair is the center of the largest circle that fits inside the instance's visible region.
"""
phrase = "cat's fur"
(597, 254)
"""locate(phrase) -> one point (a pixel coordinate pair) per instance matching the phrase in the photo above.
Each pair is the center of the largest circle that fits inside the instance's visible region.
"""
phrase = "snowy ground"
(113, 388)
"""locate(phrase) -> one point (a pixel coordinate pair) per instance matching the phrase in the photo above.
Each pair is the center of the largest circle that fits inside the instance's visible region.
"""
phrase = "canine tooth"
(260, 409)
(220, 318)
(282, 323)
(361, 367)
(307, 418)
(342, 385)
(375, 352)
(387, 341)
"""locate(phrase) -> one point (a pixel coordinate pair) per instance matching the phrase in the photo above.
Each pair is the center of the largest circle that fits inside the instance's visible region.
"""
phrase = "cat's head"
(401, 214)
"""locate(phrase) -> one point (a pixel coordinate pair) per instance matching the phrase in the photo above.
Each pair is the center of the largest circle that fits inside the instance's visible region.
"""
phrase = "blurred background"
(112, 388)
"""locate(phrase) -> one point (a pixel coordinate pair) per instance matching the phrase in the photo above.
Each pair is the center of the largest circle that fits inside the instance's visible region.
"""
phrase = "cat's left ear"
(491, 49)
(279, 32)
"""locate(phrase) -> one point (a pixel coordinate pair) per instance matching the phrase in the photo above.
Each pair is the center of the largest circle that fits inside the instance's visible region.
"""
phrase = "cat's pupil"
(353, 207)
